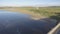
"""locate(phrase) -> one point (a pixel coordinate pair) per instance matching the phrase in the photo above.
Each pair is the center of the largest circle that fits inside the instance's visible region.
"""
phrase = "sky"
(29, 2)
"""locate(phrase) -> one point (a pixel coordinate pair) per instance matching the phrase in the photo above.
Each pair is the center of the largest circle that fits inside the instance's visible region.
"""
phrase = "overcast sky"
(29, 2)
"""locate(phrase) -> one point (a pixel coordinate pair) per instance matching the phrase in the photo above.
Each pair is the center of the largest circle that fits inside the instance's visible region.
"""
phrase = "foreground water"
(19, 23)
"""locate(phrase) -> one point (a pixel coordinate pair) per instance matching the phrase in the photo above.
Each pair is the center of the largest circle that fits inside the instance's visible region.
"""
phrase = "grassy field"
(51, 12)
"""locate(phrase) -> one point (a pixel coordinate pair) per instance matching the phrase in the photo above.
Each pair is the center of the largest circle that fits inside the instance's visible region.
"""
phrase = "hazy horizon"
(40, 3)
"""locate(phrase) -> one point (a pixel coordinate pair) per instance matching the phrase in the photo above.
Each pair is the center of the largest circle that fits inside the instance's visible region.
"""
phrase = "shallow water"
(19, 23)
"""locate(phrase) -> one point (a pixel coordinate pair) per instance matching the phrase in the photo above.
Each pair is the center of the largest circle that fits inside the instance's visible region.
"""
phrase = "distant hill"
(54, 6)
(30, 7)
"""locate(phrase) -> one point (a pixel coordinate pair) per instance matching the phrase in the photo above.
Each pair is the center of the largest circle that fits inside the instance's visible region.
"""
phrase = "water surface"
(19, 23)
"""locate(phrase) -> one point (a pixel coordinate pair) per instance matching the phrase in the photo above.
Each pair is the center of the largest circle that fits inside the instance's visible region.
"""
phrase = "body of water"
(19, 23)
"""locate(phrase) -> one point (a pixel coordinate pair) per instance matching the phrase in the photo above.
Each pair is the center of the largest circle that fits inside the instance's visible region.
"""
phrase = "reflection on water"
(18, 23)
(58, 32)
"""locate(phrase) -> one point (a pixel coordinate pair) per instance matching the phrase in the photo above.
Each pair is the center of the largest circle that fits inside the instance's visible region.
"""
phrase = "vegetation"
(52, 12)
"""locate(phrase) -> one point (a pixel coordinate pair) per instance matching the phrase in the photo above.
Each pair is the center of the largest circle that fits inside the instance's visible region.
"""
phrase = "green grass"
(46, 11)
(51, 12)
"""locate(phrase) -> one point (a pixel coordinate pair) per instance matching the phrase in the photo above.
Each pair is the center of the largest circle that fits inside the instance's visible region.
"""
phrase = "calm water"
(19, 23)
